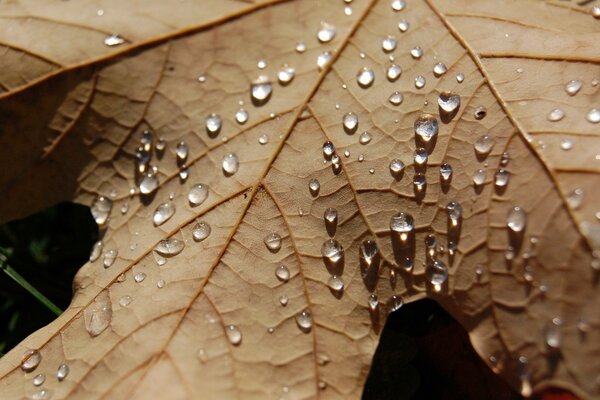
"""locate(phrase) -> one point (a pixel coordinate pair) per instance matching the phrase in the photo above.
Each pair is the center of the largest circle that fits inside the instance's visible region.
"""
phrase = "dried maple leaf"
(244, 256)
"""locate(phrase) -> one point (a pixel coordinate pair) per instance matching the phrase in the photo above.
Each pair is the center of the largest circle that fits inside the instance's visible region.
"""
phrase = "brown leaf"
(209, 320)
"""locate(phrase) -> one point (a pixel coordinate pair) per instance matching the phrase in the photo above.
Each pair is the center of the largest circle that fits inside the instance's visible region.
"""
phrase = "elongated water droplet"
(445, 172)
(109, 258)
(97, 316)
(439, 69)
(553, 334)
(332, 250)
(389, 44)
(396, 167)
(234, 334)
(350, 122)
(365, 77)
(125, 301)
(148, 183)
(273, 241)
(96, 251)
(30, 360)
(62, 372)
(555, 115)
(101, 209)
(213, 124)
(241, 116)
(479, 177)
(314, 186)
(181, 151)
(516, 219)
(454, 213)
(403, 225)
(330, 216)
(261, 90)
(198, 194)
(163, 213)
(393, 72)
(304, 321)
(420, 82)
(323, 59)
(113, 40)
(575, 198)
(420, 156)
(364, 138)
(396, 99)
(573, 87)
(501, 178)
(38, 380)
(419, 182)
(201, 231)
(326, 32)
(282, 273)
(449, 102)
(484, 145)
(373, 302)
(437, 274)
(368, 253)
(398, 5)
(426, 127)
(231, 163)
(335, 283)
(396, 302)
(593, 116)
(416, 52)
(169, 247)
(139, 277)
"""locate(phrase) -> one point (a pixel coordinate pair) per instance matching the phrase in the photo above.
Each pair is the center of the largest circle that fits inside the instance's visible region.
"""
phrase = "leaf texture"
(215, 320)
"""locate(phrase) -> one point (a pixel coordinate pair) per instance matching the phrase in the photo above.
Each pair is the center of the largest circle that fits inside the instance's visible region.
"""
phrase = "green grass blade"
(8, 270)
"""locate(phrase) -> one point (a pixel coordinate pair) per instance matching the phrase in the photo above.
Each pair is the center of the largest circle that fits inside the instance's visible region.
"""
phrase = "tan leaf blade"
(180, 310)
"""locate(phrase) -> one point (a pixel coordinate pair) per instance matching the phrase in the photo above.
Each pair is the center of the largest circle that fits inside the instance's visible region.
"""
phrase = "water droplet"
(326, 32)
(437, 274)
(426, 127)
(566, 144)
(396, 167)
(396, 302)
(234, 335)
(96, 251)
(403, 26)
(273, 241)
(393, 72)
(300, 47)
(263, 139)
(373, 302)
(403, 225)
(348, 10)
(109, 258)
(365, 77)
(396, 99)
(38, 380)
(241, 116)
(282, 273)
(231, 163)
(389, 44)
(323, 59)
(596, 12)
(139, 277)
(484, 145)
(420, 156)
(201, 231)
(62, 372)
(460, 78)
(286, 75)
(350, 122)
(314, 186)
(449, 102)
(593, 115)
(113, 40)
(97, 315)
(161, 283)
(479, 177)
(169, 247)
(420, 82)
(416, 52)
(480, 112)
(198, 194)
(125, 301)
(213, 124)
(553, 334)
(335, 283)
(501, 178)
(575, 198)
(304, 321)
(454, 210)
(261, 90)
(181, 151)
(439, 69)
(419, 182)
(42, 394)
(162, 213)
(332, 250)
(555, 115)
(101, 209)
(330, 216)
(446, 172)
(398, 5)
(30, 360)
(364, 138)
(516, 219)
(573, 87)
(161, 145)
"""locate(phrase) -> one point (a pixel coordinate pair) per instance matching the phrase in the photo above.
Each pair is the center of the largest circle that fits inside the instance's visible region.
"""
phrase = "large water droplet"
(304, 321)
(261, 90)
(439, 69)
(516, 220)
(163, 213)
(233, 334)
(326, 32)
(62, 372)
(335, 283)
(30, 360)
(573, 87)
(97, 315)
(213, 124)
(426, 127)
(201, 231)
(555, 115)
(96, 251)
(389, 44)
(198, 194)
(365, 77)
(231, 163)
(437, 274)
(332, 250)
(241, 116)
(282, 273)
(393, 72)
(593, 115)
(449, 102)
(101, 209)
(484, 145)
(273, 241)
(169, 247)
(350, 122)
(148, 183)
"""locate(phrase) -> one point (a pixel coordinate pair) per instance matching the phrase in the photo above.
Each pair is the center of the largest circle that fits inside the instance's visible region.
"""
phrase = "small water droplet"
(139, 277)
(393, 72)
(389, 44)
(304, 321)
(403, 26)
(332, 250)
(282, 273)
(300, 47)
(426, 127)
(396, 99)
(555, 115)
(454, 210)
(213, 124)
(113, 40)
(416, 52)
(420, 82)
(330, 216)
(97, 315)
(263, 139)
(109, 258)
(96, 251)
(516, 219)
(437, 274)
(42, 394)
(419, 182)
(348, 10)
(234, 334)
(286, 75)
(398, 5)
(480, 112)
(181, 151)
(326, 32)
(261, 64)
(231, 163)
(350, 122)
(125, 301)
(573, 87)
(396, 302)
(62, 372)
(365, 77)
(273, 241)
(460, 78)
(201, 231)
(445, 172)
(30, 360)
(101, 209)
(335, 283)
(553, 334)
(501, 178)
(163, 213)
(575, 198)
(479, 177)
(38, 380)
(449, 102)
(261, 90)
(364, 138)
(198, 194)
(314, 186)
(439, 69)
(396, 167)
(593, 115)
(484, 145)
(566, 144)
(323, 59)
(241, 116)
(328, 149)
